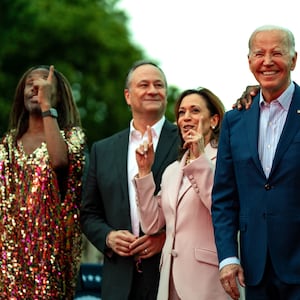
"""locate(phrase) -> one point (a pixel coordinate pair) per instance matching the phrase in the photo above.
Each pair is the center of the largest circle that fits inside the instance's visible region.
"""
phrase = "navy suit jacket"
(266, 211)
(106, 206)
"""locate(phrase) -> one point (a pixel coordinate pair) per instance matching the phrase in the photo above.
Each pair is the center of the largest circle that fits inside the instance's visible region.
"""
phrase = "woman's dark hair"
(213, 104)
(68, 115)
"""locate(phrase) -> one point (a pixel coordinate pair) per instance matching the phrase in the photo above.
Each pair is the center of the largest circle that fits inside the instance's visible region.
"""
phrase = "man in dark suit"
(256, 189)
(109, 213)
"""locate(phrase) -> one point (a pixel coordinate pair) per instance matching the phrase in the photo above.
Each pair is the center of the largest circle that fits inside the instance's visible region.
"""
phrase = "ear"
(214, 121)
(127, 96)
(294, 60)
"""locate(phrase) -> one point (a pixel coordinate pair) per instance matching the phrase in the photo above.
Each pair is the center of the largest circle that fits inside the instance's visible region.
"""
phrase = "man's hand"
(148, 245)
(119, 241)
(245, 101)
(145, 155)
(229, 276)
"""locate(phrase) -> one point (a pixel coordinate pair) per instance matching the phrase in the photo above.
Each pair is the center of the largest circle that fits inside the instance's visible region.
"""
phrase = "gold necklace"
(189, 159)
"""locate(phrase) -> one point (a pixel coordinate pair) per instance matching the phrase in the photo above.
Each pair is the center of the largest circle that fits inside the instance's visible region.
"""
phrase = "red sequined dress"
(40, 242)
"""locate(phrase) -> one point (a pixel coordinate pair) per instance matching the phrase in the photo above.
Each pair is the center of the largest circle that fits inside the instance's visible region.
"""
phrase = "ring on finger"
(146, 251)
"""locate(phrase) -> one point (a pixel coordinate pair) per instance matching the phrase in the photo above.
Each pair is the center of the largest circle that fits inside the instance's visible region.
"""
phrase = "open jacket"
(183, 205)
(266, 211)
(106, 206)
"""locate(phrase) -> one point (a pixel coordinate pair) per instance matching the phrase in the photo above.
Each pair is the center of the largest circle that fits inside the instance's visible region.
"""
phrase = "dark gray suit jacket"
(106, 207)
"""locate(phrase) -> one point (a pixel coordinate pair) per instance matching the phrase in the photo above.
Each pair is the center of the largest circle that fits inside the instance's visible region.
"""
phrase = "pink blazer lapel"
(180, 184)
(211, 153)
(175, 184)
(184, 183)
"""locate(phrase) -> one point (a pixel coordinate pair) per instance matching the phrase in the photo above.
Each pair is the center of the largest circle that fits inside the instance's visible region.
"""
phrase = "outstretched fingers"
(50, 74)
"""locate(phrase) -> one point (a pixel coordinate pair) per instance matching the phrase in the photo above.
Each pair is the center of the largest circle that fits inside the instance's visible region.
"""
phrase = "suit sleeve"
(225, 206)
(149, 206)
(92, 215)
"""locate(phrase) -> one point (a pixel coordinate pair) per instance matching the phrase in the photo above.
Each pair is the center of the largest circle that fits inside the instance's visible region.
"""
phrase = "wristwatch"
(52, 112)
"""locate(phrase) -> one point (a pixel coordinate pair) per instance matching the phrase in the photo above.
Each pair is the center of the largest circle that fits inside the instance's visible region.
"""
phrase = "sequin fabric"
(40, 243)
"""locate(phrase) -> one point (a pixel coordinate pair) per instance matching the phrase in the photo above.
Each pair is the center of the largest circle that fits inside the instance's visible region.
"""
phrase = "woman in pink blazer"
(189, 263)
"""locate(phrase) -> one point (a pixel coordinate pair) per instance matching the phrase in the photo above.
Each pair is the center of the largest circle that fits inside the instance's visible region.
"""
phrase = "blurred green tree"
(87, 40)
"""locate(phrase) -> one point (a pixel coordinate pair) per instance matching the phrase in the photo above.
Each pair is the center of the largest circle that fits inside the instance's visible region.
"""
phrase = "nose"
(187, 115)
(268, 59)
(152, 89)
(35, 89)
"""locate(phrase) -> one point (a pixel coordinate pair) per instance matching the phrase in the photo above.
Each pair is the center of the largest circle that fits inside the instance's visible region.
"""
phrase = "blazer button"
(174, 253)
(267, 186)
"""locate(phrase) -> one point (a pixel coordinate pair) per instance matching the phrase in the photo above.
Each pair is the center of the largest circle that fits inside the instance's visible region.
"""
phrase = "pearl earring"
(213, 127)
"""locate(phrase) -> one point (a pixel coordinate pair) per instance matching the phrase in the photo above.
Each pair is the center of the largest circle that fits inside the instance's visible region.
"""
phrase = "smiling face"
(191, 111)
(147, 93)
(271, 62)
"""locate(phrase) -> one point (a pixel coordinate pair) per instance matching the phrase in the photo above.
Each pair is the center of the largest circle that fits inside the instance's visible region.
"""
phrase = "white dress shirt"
(135, 140)
(272, 119)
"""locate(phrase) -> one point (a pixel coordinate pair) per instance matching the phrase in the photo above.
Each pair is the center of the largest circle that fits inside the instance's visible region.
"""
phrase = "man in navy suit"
(256, 189)
(109, 213)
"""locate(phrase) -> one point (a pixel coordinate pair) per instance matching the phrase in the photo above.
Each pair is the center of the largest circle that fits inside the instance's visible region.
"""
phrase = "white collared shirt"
(271, 123)
(135, 140)
(272, 119)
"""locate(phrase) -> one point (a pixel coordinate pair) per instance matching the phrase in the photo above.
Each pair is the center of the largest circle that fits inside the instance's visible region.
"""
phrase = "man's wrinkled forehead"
(147, 72)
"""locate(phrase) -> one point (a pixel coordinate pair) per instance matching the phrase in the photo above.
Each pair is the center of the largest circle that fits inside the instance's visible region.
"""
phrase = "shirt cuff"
(228, 261)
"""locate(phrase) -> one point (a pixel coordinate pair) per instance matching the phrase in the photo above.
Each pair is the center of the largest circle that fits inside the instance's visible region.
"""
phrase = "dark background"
(88, 41)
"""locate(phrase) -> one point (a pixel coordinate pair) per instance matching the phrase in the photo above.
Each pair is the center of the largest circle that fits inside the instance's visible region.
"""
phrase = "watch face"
(53, 112)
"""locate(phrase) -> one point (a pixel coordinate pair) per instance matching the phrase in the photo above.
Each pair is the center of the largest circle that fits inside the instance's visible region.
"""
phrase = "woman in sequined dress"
(41, 165)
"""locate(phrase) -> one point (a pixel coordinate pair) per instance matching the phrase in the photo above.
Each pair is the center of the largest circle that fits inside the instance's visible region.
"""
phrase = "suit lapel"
(291, 127)
(251, 118)
(167, 149)
(165, 154)
(182, 183)
(121, 153)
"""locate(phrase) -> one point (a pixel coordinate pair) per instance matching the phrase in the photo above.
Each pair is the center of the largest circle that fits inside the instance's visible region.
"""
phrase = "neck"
(141, 124)
(271, 94)
(35, 124)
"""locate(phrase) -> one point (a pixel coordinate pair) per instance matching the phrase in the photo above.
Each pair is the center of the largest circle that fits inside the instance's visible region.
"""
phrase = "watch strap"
(52, 112)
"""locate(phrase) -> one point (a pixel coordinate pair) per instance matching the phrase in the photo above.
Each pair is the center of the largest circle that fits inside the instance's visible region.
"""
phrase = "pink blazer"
(183, 205)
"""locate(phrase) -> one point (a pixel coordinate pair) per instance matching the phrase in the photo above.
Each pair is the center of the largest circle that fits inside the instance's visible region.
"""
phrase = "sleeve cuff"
(228, 261)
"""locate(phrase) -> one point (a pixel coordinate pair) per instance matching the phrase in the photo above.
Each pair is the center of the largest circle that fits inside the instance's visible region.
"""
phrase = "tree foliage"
(87, 40)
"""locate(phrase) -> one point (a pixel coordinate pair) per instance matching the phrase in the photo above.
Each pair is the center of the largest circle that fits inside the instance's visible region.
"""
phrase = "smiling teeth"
(269, 73)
